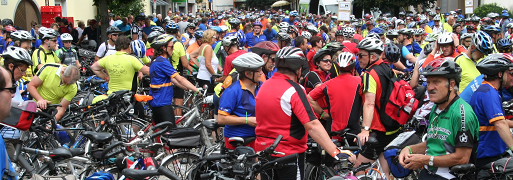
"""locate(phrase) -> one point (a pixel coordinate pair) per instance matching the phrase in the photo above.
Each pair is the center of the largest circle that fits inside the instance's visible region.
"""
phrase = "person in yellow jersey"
(55, 84)
(481, 46)
(449, 24)
(45, 53)
(119, 69)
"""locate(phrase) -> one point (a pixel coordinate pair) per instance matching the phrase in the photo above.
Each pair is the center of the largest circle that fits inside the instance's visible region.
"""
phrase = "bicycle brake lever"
(278, 153)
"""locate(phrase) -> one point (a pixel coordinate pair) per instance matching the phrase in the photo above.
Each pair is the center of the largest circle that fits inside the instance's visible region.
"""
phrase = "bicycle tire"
(62, 168)
(181, 163)
(123, 129)
(313, 172)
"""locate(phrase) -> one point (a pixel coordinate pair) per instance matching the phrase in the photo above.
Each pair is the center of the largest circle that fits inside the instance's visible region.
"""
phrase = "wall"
(219, 5)
(79, 9)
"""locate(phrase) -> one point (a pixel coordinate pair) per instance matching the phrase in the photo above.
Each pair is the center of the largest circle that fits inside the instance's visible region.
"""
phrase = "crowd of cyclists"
(299, 75)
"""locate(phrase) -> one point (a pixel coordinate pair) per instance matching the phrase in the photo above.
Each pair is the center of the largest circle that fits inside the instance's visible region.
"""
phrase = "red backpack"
(398, 103)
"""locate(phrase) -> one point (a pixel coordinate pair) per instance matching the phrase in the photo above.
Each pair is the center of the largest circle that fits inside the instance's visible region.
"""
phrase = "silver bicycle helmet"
(230, 41)
(346, 61)
(371, 44)
(248, 61)
(21, 35)
(66, 37)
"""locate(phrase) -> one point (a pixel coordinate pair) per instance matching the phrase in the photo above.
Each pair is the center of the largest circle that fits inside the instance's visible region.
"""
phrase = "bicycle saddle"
(77, 151)
(211, 124)
(463, 169)
(238, 141)
(60, 153)
(98, 137)
(138, 174)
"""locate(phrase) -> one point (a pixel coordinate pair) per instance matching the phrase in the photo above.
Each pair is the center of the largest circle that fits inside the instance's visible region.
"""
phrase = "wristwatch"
(367, 128)
(432, 161)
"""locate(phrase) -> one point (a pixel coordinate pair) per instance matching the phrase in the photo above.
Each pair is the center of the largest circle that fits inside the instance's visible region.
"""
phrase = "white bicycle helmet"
(348, 32)
(510, 25)
(18, 54)
(466, 35)
(138, 48)
(230, 41)
(47, 33)
(284, 25)
(66, 37)
(371, 44)
(248, 61)
(346, 61)
(373, 35)
(21, 35)
(306, 34)
(445, 38)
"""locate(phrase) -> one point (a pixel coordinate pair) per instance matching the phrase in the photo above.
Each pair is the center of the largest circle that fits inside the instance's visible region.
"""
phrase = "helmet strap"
(448, 93)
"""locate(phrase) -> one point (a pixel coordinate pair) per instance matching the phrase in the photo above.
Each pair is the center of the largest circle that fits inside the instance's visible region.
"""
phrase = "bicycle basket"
(22, 115)
(183, 137)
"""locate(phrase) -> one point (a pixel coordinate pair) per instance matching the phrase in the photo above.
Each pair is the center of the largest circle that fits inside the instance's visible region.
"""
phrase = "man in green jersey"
(453, 130)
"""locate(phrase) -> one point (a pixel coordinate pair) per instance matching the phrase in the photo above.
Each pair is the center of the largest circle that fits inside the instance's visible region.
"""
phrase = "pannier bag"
(183, 138)
(22, 115)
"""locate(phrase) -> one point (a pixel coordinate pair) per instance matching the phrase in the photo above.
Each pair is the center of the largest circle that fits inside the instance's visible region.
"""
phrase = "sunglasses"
(12, 90)
(361, 55)
(326, 60)
(115, 34)
(54, 40)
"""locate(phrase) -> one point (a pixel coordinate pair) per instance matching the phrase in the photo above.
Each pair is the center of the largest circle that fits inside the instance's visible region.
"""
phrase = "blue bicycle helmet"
(198, 34)
(138, 48)
(483, 42)
(378, 31)
(172, 28)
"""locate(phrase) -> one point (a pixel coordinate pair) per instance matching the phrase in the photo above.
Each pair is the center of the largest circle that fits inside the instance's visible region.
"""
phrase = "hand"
(43, 104)
(363, 136)
(252, 121)
(345, 154)
(402, 156)
(325, 115)
(140, 76)
(415, 161)
(456, 40)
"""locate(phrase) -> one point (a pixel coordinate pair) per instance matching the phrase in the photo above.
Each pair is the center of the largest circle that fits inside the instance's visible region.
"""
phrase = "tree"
(103, 13)
(120, 8)
(260, 4)
(483, 10)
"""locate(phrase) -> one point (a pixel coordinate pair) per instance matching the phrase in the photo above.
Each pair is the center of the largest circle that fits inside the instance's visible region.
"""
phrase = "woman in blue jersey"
(163, 78)
(237, 104)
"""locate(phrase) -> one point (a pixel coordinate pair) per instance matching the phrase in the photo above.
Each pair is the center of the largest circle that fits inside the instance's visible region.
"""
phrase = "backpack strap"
(106, 48)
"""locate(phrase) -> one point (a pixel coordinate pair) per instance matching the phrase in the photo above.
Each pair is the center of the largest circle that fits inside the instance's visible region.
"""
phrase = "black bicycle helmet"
(6, 22)
(443, 67)
(334, 47)
(428, 48)
(320, 55)
(504, 44)
(284, 37)
(495, 63)
(392, 52)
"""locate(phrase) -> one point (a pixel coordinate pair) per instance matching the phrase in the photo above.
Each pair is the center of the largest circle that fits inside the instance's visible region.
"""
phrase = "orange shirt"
(192, 48)
(460, 49)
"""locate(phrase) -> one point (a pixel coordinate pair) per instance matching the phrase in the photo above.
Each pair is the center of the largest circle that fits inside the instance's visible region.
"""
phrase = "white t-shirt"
(101, 50)
(203, 72)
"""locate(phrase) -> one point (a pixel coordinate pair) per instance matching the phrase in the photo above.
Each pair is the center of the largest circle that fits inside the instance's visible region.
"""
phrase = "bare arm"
(145, 70)
(184, 83)
(316, 107)
(368, 115)
(235, 120)
(99, 71)
(209, 53)
(503, 130)
(414, 82)
(185, 63)
(319, 134)
(32, 88)
(62, 109)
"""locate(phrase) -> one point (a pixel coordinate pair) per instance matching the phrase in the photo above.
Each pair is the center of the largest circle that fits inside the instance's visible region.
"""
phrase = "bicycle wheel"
(313, 172)
(125, 130)
(63, 167)
(181, 163)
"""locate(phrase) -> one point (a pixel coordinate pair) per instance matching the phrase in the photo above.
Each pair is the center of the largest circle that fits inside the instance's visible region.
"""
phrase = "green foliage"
(124, 8)
(483, 10)
(388, 5)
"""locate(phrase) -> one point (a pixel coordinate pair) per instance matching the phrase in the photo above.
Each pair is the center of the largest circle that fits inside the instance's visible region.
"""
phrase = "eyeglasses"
(326, 60)
(115, 34)
(170, 46)
(54, 40)
(22, 71)
(12, 90)
(361, 55)
(469, 41)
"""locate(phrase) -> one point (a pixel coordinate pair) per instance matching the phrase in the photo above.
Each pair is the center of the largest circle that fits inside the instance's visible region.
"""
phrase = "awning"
(161, 3)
